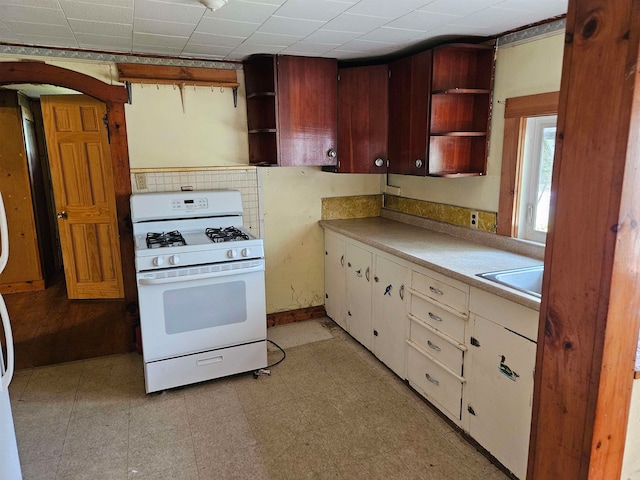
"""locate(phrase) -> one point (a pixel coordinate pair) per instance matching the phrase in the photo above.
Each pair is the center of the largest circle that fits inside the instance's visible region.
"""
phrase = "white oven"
(200, 288)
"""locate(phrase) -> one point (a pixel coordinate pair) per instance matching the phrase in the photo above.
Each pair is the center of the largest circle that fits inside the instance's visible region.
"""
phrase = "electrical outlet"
(141, 181)
(473, 219)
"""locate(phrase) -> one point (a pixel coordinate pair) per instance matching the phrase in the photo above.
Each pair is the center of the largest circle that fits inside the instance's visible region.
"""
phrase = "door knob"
(62, 214)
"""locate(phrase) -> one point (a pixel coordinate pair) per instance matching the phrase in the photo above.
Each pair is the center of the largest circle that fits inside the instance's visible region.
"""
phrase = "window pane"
(548, 139)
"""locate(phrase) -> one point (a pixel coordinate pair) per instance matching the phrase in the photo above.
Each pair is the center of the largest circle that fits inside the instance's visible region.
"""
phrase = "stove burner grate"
(229, 234)
(169, 239)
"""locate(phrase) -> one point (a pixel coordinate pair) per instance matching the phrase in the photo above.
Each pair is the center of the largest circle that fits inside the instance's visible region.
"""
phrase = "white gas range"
(200, 278)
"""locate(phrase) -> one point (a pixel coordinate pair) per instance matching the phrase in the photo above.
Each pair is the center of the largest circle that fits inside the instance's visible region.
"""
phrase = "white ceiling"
(343, 29)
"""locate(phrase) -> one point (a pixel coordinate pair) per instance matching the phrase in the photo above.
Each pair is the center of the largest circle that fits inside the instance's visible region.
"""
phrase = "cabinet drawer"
(438, 385)
(439, 318)
(438, 347)
(442, 289)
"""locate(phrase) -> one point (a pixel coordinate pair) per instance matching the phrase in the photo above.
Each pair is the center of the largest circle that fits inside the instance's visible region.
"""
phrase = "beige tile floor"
(330, 410)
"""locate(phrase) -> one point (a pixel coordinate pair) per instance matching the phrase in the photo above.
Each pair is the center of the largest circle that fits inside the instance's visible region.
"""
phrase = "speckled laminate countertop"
(449, 255)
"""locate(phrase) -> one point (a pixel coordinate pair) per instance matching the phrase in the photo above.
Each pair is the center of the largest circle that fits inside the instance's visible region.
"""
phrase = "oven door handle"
(198, 276)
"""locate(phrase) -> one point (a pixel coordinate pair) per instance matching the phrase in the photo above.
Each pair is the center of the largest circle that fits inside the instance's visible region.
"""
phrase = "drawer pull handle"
(433, 346)
(342, 261)
(208, 361)
(434, 317)
(366, 274)
(401, 292)
(430, 379)
(436, 291)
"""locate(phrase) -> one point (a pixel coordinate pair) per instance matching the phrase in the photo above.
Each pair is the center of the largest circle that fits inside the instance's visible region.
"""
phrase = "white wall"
(294, 243)
(631, 461)
(521, 69)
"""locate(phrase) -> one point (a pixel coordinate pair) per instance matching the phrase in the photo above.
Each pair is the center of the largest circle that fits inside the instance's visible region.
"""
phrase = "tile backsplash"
(174, 180)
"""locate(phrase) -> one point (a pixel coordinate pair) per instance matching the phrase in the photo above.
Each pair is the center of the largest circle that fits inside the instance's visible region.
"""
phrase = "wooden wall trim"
(589, 313)
(299, 315)
(140, 73)
(532, 105)
(19, 287)
(37, 72)
(517, 109)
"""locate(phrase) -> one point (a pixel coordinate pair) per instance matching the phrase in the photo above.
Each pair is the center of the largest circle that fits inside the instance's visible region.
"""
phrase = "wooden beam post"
(589, 316)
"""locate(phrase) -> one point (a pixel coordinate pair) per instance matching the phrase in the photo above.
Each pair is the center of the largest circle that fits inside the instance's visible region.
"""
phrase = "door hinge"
(387, 163)
(105, 120)
(474, 341)
(389, 73)
(471, 410)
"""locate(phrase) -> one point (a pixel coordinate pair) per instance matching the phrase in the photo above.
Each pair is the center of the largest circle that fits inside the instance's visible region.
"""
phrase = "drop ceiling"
(343, 29)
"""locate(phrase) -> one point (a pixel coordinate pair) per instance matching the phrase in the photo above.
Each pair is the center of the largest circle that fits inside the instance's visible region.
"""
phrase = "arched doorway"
(114, 98)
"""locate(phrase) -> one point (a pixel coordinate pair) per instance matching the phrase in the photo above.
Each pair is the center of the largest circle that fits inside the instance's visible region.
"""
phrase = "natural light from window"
(535, 196)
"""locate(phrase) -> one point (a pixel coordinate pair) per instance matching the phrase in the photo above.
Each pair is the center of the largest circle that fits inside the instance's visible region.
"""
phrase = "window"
(535, 183)
(527, 160)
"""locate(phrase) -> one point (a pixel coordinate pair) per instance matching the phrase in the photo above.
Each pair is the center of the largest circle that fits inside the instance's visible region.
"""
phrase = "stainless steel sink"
(527, 280)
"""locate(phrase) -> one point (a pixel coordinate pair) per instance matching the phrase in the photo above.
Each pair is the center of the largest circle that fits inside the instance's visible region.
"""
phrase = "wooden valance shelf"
(461, 91)
(458, 134)
(180, 76)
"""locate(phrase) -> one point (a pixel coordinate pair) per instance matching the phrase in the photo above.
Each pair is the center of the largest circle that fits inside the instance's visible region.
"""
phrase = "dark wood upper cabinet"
(461, 83)
(363, 119)
(291, 110)
(409, 99)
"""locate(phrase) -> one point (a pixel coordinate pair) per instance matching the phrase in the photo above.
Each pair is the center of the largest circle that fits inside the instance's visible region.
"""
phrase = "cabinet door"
(359, 294)
(335, 279)
(500, 392)
(307, 110)
(389, 315)
(409, 99)
(362, 119)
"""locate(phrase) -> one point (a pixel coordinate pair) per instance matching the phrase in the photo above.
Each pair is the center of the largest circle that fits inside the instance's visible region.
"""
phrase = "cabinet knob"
(375, 333)
(376, 278)
(378, 162)
(419, 163)
(62, 214)
(331, 153)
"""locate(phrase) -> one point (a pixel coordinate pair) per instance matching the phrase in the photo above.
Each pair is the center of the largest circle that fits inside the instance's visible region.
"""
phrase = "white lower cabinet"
(389, 316)
(501, 361)
(335, 280)
(359, 273)
(469, 352)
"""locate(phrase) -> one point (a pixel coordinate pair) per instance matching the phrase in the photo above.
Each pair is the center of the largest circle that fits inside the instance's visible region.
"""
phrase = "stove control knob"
(158, 261)
(232, 253)
(174, 259)
(246, 252)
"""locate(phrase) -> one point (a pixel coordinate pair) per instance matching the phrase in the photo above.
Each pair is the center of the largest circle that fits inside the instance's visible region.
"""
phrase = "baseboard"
(19, 287)
(299, 315)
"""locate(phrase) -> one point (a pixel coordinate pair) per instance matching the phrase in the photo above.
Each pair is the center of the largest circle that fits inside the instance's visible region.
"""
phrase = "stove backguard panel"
(243, 179)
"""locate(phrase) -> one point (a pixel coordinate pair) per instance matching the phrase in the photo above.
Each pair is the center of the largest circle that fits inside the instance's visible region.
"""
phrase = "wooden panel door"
(409, 99)
(363, 119)
(83, 189)
(23, 271)
(307, 110)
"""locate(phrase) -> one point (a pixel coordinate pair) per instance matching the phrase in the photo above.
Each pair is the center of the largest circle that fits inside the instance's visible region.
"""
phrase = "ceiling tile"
(244, 11)
(113, 3)
(290, 26)
(247, 49)
(393, 35)
(490, 17)
(6, 35)
(140, 39)
(348, 22)
(218, 51)
(19, 13)
(48, 41)
(39, 29)
(364, 46)
(551, 8)
(260, 38)
(37, 3)
(303, 48)
(330, 36)
(206, 39)
(166, 51)
(321, 10)
(156, 10)
(100, 28)
(144, 25)
(100, 13)
(386, 8)
(462, 8)
(232, 28)
(87, 40)
(422, 21)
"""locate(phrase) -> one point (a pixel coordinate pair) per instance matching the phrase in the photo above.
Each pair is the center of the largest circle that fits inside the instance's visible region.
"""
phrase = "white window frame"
(528, 200)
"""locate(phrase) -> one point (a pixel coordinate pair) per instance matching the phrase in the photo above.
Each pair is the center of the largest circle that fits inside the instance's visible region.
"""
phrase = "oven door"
(196, 309)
